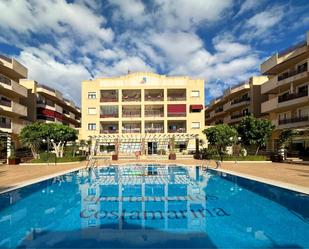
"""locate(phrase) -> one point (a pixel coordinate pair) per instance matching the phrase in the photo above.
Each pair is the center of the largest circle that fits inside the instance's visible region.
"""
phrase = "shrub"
(51, 158)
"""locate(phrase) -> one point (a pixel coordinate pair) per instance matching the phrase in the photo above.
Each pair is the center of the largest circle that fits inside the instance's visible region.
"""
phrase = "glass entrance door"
(152, 148)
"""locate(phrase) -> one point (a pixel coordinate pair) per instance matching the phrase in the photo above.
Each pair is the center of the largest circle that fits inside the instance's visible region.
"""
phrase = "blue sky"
(64, 42)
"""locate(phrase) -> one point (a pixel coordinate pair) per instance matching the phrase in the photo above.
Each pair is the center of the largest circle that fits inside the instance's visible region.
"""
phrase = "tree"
(254, 131)
(58, 134)
(221, 136)
(286, 136)
(31, 136)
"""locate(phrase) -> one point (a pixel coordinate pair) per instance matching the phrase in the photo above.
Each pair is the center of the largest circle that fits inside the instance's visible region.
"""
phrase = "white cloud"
(183, 14)
(64, 77)
(249, 5)
(32, 16)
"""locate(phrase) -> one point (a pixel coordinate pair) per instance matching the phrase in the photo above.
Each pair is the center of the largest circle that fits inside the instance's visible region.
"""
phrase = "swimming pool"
(153, 206)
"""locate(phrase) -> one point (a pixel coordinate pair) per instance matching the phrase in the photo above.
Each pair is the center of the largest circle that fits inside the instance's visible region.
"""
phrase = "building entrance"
(152, 148)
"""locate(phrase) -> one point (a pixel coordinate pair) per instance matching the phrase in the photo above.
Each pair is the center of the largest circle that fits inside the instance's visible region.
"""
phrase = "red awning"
(177, 108)
(196, 107)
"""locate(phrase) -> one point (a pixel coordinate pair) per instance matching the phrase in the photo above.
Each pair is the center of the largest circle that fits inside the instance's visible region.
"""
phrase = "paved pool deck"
(292, 176)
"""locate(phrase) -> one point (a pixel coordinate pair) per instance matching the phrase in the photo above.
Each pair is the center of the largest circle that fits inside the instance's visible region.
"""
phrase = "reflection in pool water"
(151, 206)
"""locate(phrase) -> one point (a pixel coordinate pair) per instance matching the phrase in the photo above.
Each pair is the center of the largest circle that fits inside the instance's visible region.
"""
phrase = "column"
(8, 147)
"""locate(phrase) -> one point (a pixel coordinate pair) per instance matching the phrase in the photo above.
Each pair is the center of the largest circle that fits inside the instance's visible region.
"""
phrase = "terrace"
(154, 111)
(109, 96)
(109, 111)
(131, 95)
(154, 95)
(131, 111)
(176, 95)
(177, 126)
(154, 127)
(131, 127)
(109, 127)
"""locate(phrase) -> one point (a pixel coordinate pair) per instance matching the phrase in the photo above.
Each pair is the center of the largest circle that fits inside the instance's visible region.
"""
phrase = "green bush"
(241, 158)
(51, 158)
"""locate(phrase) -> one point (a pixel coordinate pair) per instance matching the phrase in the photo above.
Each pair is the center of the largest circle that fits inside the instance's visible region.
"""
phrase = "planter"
(114, 157)
(14, 161)
(172, 156)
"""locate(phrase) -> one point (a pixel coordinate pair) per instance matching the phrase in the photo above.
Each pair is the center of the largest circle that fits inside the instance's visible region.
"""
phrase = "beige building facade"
(13, 113)
(237, 102)
(48, 105)
(142, 112)
(286, 90)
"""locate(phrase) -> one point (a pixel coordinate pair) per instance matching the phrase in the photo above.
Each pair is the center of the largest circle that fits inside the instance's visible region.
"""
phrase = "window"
(92, 126)
(195, 93)
(92, 110)
(92, 95)
(195, 125)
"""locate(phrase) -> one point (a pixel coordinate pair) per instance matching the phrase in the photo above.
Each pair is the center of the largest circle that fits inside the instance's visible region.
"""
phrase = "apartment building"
(46, 104)
(237, 102)
(12, 112)
(142, 112)
(287, 92)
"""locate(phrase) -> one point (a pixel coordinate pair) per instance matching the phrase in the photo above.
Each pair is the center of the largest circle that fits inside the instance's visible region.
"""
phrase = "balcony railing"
(293, 73)
(107, 131)
(131, 130)
(47, 88)
(287, 97)
(109, 115)
(108, 99)
(45, 102)
(5, 80)
(219, 109)
(5, 125)
(131, 98)
(154, 130)
(177, 130)
(176, 98)
(236, 101)
(154, 113)
(293, 120)
(154, 98)
(239, 115)
(6, 102)
(176, 114)
(131, 114)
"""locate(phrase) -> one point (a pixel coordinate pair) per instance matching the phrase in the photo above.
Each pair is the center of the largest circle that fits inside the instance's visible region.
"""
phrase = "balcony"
(301, 69)
(154, 127)
(13, 68)
(12, 108)
(289, 54)
(154, 111)
(11, 86)
(45, 102)
(6, 125)
(131, 95)
(109, 111)
(109, 127)
(154, 95)
(219, 109)
(293, 120)
(131, 111)
(109, 96)
(177, 110)
(291, 96)
(5, 102)
(239, 115)
(131, 127)
(176, 95)
(177, 127)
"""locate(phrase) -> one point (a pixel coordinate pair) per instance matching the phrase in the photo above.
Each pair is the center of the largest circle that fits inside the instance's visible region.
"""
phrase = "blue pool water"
(153, 206)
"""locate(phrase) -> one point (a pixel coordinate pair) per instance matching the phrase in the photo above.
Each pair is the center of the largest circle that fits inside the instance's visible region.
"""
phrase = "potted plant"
(115, 154)
(13, 160)
(172, 154)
